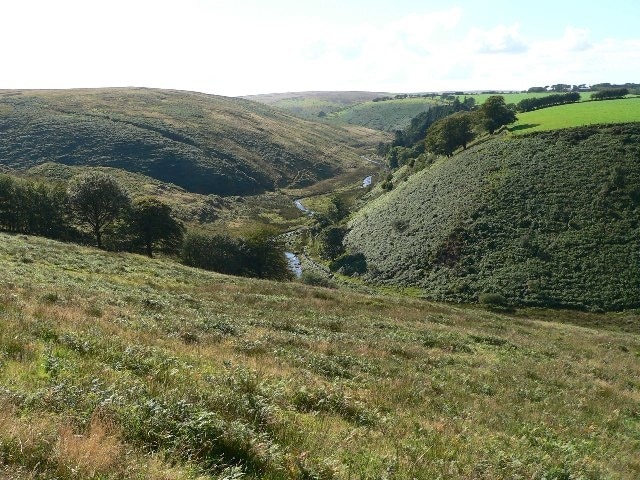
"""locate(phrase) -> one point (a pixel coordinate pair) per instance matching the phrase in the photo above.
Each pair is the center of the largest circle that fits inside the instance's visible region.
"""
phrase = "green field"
(115, 366)
(516, 97)
(578, 114)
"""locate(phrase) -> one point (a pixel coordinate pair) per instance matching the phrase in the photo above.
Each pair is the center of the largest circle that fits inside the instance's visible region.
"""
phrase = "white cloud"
(576, 39)
(501, 39)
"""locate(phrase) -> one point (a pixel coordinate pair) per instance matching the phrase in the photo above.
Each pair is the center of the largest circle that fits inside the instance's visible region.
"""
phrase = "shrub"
(493, 301)
(349, 264)
(316, 279)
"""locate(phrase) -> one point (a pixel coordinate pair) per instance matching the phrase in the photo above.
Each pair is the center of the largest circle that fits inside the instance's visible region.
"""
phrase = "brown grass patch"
(98, 451)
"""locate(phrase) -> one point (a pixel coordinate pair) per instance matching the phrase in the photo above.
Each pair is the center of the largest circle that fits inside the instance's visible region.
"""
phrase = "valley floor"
(119, 366)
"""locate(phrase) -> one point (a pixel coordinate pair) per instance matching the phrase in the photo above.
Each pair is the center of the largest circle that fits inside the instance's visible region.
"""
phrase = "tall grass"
(117, 366)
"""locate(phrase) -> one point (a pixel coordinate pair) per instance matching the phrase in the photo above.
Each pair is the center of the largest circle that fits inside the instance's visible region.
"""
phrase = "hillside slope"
(203, 143)
(551, 218)
(350, 108)
(310, 104)
(115, 366)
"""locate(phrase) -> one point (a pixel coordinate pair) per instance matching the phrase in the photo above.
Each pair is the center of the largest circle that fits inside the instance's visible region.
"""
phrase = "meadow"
(119, 366)
(578, 114)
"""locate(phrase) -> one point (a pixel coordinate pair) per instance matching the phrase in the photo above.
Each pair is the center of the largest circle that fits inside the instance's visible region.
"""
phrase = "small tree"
(265, 257)
(153, 226)
(494, 113)
(330, 241)
(97, 199)
(446, 135)
(337, 210)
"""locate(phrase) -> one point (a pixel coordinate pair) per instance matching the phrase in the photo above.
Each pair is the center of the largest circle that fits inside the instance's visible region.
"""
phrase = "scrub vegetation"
(549, 219)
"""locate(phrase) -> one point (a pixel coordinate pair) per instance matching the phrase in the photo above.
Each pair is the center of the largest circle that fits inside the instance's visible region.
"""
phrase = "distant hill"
(203, 143)
(309, 105)
(350, 108)
(550, 218)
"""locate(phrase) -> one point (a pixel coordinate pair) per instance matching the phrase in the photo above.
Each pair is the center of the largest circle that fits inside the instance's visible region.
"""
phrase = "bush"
(494, 301)
(260, 255)
(317, 279)
(349, 264)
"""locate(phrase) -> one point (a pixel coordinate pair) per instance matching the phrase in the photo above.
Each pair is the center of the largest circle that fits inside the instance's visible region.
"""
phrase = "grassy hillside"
(388, 116)
(117, 366)
(545, 219)
(203, 143)
(578, 114)
(309, 104)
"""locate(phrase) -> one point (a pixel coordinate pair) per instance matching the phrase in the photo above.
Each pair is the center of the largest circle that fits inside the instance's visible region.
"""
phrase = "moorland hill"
(203, 143)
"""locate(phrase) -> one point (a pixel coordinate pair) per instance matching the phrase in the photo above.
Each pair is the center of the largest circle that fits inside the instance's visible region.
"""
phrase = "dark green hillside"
(204, 143)
(546, 219)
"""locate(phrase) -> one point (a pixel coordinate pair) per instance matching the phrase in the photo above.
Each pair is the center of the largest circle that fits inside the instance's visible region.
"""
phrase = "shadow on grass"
(524, 126)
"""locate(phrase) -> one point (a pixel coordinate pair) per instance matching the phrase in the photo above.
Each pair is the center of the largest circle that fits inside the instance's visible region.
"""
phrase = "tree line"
(94, 208)
(529, 104)
(610, 93)
(444, 128)
(457, 130)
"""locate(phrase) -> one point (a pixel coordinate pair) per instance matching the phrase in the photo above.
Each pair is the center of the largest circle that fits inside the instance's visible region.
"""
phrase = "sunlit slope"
(351, 108)
(119, 366)
(579, 114)
(546, 219)
(203, 143)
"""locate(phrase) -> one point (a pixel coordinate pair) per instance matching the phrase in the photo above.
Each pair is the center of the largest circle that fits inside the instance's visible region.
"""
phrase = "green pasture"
(578, 114)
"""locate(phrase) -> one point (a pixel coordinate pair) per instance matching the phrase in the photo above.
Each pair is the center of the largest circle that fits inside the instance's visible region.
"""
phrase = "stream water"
(294, 264)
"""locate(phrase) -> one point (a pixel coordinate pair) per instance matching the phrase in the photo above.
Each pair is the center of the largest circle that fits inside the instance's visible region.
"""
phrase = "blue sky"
(236, 47)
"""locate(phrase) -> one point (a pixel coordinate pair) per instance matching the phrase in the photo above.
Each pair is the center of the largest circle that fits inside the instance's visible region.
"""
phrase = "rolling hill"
(551, 218)
(116, 366)
(350, 108)
(203, 143)
(310, 104)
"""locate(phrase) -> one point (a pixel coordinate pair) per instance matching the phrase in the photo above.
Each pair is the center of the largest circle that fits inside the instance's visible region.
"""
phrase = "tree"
(494, 113)
(330, 241)
(337, 210)
(265, 257)
(450, 133)
(610, 93)
(97, 199)
(37, 208)
(219, 253)
(151, 222)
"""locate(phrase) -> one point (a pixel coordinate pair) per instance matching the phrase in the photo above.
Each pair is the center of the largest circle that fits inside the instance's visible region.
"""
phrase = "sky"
(244, 47)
